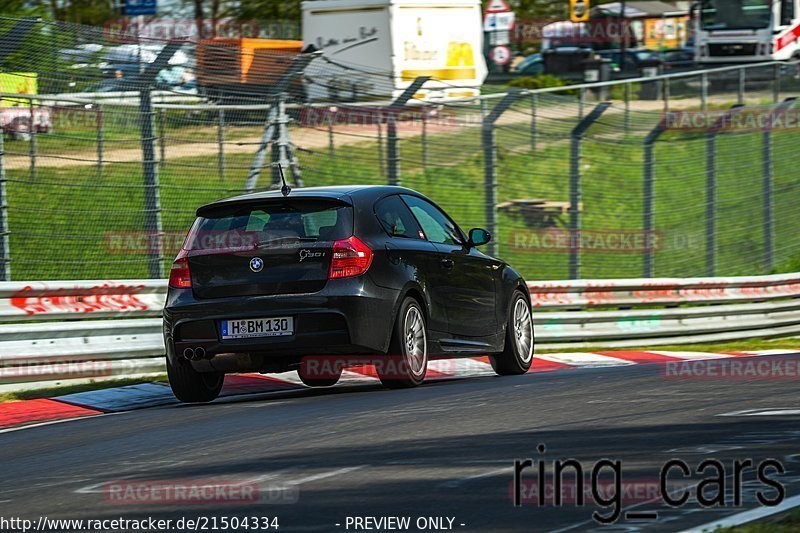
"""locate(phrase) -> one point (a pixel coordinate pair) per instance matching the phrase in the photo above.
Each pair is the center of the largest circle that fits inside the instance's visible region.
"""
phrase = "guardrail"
(52, 331)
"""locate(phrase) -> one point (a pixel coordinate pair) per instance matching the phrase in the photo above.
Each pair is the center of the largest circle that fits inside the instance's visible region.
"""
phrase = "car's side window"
(396, 219)
(436, 225)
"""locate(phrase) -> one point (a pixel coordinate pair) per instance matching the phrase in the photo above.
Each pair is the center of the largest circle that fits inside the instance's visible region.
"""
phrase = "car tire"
(190, 386)
(310, 381)
(407, 362)
(517, 356)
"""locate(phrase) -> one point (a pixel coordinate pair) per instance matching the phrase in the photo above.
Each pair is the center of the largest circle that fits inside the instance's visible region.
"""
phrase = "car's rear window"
(271, 223)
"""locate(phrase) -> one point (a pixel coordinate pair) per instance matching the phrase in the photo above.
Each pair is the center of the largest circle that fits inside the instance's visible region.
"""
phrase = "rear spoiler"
(232, 204)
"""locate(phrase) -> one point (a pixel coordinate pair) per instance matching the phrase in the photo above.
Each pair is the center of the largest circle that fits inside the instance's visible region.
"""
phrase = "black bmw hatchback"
(265, 281)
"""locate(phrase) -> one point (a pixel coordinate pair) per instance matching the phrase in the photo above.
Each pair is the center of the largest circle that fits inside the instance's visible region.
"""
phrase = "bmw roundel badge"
(256, 264)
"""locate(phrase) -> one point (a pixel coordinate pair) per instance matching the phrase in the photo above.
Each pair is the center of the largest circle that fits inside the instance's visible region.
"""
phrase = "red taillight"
(351, 257)
(179, 276)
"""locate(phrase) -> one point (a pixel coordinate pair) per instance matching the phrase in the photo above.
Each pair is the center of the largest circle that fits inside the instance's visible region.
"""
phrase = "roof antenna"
(285, 189)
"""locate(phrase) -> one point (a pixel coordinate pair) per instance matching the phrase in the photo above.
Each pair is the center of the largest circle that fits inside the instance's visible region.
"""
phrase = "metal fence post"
(704, 91)
(776, 83)
(331, 145)
(742, 74)
(100, 126)
(32, 133)
(152, 199)
(766, 153)
(648, 197)
(152, 193)
(575, 188)
(221, 143)
(392, 152)
(581, 101)
(488, 140)
(10, 42)
(711, 189)
(162, 140)
(5, 244)
(534, 131)
(381, 165)
(392, 148)
(711, 203)
(628, 96)
(666, 94)
(424, 141)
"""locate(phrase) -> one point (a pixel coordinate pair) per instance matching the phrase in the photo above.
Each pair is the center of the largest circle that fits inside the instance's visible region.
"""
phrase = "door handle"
(448, 263)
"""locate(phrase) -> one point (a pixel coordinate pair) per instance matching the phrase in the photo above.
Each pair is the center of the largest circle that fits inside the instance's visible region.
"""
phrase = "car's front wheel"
(407, 362)
(190, 386)
(517, 356)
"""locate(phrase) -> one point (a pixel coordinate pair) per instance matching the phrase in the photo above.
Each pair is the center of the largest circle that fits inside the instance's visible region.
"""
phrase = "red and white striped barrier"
(42, 317)
(662, 291)
(57, 300)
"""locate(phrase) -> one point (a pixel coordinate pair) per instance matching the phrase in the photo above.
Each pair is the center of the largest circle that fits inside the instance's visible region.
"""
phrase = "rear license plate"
(257, 327)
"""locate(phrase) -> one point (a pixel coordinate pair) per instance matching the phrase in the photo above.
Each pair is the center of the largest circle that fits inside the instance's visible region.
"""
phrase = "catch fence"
(682, 175)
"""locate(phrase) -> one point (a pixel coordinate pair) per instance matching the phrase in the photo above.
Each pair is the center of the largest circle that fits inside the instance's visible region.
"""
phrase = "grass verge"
(72, 389)
(748, 345)
(783, 523)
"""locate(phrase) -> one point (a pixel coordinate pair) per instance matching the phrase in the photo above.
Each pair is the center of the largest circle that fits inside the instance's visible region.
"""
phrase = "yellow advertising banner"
(19, 83)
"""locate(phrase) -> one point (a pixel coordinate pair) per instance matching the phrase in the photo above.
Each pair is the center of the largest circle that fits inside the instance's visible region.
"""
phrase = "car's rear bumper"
(348, 316)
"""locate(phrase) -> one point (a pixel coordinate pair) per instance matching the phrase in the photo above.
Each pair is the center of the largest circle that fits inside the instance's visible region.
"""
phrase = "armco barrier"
(94, 329)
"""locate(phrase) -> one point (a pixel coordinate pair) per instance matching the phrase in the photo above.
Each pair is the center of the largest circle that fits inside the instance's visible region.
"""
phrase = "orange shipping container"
(223, 61)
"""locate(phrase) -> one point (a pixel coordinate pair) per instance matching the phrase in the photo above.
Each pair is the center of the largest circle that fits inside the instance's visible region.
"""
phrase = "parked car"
(81, 55)
(265, 279)
(531, 65)
(567, 62)
(638, 61)
(678, 59)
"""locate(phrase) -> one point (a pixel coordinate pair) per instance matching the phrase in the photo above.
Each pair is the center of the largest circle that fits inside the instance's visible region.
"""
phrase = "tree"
(271, 10)
(89, 12)
(206, 15)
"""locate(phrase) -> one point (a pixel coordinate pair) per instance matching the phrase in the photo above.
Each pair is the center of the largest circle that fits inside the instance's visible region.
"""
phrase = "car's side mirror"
(479, 237)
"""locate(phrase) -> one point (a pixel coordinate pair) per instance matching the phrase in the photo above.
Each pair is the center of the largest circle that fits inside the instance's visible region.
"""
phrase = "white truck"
(374, 49)
(741, 31)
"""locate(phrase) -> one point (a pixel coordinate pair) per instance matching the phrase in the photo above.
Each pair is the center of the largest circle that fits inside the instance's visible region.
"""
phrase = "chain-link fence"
(102, 168)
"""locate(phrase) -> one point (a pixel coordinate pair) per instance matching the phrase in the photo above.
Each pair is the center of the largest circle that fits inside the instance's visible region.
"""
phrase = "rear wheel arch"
(419, 297)
(414, 291)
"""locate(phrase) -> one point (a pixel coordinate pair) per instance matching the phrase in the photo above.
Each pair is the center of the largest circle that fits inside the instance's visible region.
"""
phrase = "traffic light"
(579, 10)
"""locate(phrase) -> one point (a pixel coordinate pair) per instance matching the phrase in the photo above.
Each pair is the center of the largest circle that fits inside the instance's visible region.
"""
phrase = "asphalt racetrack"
(443, 452)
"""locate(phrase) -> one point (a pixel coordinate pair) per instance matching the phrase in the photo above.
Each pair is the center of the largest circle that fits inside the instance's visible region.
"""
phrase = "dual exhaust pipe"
(194, 354)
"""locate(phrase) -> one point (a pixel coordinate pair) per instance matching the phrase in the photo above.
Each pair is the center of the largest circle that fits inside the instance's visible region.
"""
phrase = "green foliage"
(89, 12)
(22, 8)
(270, 10)
(112, 203)
(542, 81)
(617, 92)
